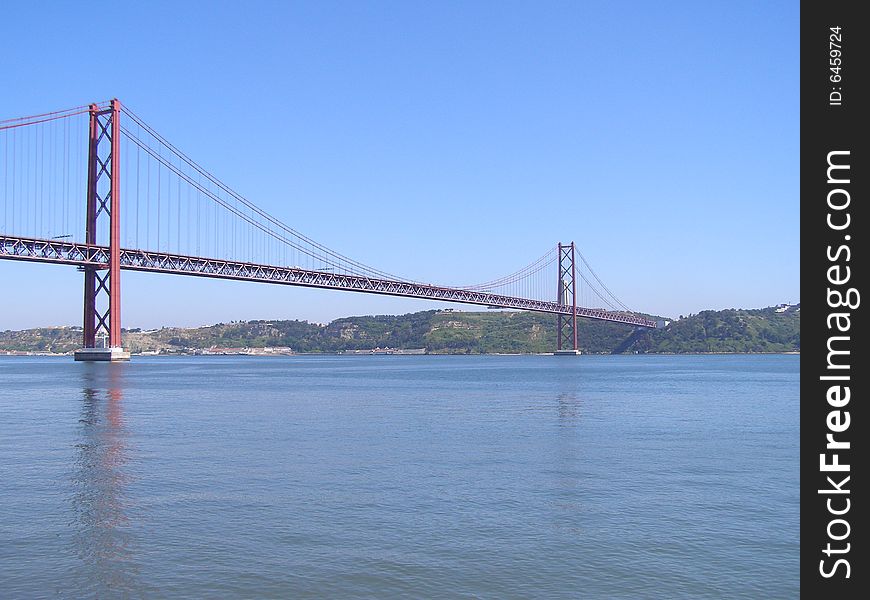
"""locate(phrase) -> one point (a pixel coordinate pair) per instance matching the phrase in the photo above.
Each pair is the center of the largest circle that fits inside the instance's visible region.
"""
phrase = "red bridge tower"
(566, 296)
(102, 302)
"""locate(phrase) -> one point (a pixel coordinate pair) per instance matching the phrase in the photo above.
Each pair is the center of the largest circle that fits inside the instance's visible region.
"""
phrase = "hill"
(733, 330)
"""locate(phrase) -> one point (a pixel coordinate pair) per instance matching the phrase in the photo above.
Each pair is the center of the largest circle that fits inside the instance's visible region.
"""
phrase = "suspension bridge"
(62, 188)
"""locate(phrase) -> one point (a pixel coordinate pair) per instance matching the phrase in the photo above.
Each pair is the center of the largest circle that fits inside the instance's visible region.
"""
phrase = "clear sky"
(451, 141)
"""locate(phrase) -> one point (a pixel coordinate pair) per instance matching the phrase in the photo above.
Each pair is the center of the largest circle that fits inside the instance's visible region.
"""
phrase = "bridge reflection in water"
(102, 538)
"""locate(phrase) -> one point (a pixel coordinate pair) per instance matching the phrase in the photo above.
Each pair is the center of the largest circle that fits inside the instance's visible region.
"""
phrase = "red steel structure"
(101, 258)
(566, 296)
(102, 301)
(82, 255)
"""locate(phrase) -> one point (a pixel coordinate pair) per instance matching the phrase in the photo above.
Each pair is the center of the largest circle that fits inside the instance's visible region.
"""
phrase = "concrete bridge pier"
(567, 353)
(101, 354)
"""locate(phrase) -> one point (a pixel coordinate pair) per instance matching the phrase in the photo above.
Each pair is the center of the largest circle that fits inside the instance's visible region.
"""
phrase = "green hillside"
(763, 330)
(732, 330)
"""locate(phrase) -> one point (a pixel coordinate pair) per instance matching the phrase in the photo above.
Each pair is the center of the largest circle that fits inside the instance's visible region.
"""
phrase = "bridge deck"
(78, 254)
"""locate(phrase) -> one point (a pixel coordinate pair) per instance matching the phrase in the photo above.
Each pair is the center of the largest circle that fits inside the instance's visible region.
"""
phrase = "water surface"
(392, 476)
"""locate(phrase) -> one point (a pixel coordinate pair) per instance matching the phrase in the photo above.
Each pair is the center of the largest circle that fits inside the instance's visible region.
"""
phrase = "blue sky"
(451, 142)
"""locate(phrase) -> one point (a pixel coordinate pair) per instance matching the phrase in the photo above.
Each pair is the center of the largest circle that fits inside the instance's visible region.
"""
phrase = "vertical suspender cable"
(187, 243)
(14, 173)
(159, 171)
(138, 183)
(148, 205)
(65, 162)
(6, 182)
(35, 200)
(178, 220)
(39, 180)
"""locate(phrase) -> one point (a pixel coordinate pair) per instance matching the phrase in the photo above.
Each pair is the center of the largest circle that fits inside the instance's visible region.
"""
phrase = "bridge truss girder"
(87, 255)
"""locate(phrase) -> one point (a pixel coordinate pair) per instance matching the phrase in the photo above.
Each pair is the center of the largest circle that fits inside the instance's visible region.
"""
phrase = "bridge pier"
(101, 354)
(566, 353)
(102, 301)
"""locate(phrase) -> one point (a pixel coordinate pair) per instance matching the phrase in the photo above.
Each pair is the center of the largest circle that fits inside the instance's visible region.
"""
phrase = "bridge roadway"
(79, 254)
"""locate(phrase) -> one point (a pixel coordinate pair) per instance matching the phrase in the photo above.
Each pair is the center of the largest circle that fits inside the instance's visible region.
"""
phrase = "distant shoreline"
(772, 330)
(361, 354)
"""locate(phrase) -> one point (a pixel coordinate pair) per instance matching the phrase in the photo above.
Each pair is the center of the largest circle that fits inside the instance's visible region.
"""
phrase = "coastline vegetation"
(452, 332)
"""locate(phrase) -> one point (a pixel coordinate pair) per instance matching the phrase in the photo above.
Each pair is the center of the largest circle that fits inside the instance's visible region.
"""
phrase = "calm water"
(387, 476)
